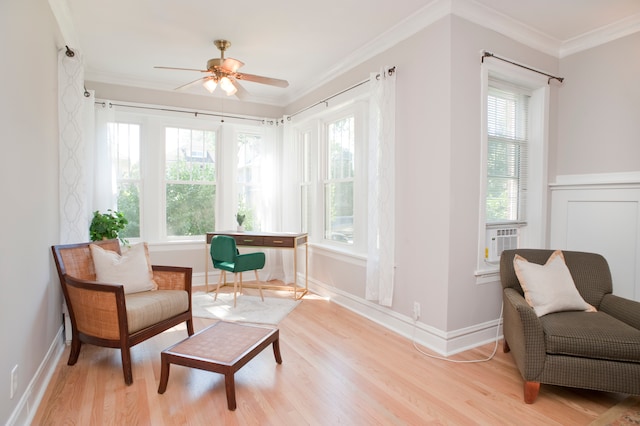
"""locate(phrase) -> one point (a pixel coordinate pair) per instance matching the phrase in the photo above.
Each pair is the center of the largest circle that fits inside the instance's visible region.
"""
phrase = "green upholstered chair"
(225, 256)
(590, 350)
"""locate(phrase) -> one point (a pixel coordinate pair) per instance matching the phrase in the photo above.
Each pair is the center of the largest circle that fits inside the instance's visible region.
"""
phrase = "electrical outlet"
(14, 381)
(416, 311)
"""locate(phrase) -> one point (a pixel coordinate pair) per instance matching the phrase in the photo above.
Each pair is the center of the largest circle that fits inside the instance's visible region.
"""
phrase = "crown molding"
(494, 20)
(602, 35)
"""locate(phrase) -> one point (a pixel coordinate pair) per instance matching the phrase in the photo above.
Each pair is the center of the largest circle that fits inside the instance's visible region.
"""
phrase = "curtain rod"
(195, 113)
(486, 54)
(325, 100)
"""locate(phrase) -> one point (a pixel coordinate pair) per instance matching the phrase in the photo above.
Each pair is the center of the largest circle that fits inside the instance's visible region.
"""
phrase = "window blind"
(507, 159)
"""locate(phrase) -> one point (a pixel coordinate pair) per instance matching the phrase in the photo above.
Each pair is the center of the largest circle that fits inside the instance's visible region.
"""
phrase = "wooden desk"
(281, 240)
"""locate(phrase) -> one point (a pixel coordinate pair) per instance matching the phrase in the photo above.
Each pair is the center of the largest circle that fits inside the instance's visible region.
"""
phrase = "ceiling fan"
(224, 71)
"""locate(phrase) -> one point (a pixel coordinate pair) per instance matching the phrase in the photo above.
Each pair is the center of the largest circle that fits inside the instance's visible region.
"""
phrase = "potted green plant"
(240, 217)
(105, 226)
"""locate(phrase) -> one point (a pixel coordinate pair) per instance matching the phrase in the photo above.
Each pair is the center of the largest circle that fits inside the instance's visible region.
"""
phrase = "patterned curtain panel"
(381, 202)
(72, 154)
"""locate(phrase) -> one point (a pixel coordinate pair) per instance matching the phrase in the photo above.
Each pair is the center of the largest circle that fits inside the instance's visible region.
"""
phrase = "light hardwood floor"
(338, 368)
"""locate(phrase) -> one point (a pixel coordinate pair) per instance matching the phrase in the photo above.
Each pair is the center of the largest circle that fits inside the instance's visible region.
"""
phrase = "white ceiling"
(304, 42)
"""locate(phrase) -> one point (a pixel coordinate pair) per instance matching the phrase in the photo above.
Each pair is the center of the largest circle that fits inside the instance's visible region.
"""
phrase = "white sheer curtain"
(381, 202)
(290, 175)
(104, 188)
(72, 107)
(270, 200)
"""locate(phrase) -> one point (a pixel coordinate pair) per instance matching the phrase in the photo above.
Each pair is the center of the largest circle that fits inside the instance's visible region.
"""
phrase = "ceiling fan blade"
(241, 93)
(232, 65)
(263, 80)
(180, 69)
(192, 83)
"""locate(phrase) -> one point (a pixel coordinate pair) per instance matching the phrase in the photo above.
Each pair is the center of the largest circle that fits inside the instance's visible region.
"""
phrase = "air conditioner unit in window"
(498, 240)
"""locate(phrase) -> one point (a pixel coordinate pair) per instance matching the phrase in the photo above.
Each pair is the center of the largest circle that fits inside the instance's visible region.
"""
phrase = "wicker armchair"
(589, 350)
(103, 315)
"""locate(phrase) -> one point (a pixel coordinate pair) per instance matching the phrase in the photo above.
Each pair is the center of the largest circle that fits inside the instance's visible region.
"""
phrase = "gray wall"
(599, 120)
(30, 306)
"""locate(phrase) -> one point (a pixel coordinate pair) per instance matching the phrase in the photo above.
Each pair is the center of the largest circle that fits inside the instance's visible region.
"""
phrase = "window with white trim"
(339, 180)
(250, 168)
(306, 173)
(124, 142)
(507, 118)
(177, 177)
(514, 166)
(333, 196)
(190, 181)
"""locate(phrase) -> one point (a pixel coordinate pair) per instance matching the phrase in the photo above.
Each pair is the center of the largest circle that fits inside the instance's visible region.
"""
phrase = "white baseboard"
(442, 342)
(32, 396)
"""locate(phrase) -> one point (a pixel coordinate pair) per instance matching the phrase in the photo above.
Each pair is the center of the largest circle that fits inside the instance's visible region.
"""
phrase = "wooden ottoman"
(224, 348)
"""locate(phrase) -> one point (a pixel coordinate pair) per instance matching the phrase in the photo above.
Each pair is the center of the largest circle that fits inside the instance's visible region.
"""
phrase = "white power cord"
(495, 348)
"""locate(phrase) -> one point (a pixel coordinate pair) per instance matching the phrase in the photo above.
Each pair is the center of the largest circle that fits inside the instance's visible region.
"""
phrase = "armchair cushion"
(132, 269)
(145, 309)
(549, 288)
(594, 335)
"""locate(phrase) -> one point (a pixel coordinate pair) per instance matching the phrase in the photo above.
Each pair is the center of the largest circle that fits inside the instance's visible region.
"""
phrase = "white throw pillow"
(132, 269)
(549, 288)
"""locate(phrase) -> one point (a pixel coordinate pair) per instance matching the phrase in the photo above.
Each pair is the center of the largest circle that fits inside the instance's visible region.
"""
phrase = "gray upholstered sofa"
(592, 350)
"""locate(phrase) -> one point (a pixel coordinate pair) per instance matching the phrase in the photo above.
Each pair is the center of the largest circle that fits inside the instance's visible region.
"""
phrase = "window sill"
(176, 245)
(488, 275)
(339, 253)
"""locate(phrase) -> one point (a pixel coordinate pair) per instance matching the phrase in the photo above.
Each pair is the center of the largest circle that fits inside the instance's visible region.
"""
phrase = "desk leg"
(306, 267)
(295, 271)
(206, 267)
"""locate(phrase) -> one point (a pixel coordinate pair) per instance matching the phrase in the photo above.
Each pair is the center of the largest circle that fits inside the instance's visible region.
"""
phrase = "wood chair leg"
(190, 330)
(126, 365)
(74, 352)
(259, 285)
(235, 288)
(223, 273)
(531, 390)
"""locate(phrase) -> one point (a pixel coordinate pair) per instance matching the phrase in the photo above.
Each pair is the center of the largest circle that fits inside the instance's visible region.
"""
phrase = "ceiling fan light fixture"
(227, 86)
(210, 84)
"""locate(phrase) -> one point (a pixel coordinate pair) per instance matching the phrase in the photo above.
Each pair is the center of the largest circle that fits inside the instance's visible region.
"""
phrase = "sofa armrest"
(96, 309)
(626, 310)
(173, 278)
(524, 335)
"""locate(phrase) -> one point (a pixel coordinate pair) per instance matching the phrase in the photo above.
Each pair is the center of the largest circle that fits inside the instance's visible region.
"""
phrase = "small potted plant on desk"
(105, 226)
(240, 217)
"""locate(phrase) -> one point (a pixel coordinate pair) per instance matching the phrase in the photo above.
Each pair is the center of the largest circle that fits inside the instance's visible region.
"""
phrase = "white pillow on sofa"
(549, 288)
(132, 269)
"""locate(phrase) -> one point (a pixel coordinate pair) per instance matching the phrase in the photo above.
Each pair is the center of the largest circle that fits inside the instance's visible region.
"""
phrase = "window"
(332, 178)
(340, 172)
(513, 206)
(249, 174)
(124, 140)
(507, 111)
(190, 181)
(306, 174)
(177, 177)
